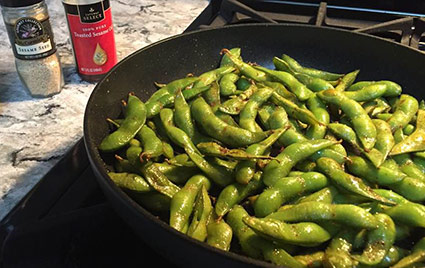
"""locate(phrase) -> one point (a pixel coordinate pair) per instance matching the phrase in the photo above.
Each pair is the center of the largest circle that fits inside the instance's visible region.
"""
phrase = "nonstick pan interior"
(196, 52)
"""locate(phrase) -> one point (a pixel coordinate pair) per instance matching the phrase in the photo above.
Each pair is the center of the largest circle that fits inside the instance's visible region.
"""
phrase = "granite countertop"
(36, 133)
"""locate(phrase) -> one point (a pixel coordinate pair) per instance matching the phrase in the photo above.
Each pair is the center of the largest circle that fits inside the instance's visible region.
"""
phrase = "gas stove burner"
(405, 27)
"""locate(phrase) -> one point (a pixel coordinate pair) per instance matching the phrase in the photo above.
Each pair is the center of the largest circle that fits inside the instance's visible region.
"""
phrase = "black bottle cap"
(19, 3)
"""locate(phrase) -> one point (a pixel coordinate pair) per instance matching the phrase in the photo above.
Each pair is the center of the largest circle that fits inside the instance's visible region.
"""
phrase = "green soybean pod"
(290, 156)
(245, 170)
(359, 85)
(415, 141)
(384, 138)
(167, 150)
(337, 254)
(280, 89)
(228, 84)
(177, 174)
(133, 153)
(409, 214)
(404, 111)
(279, 119)
(225, 61)
(362, 123)
(221, 131)
(246, 69)
(182, 115)
(182, 202)
(135, 118)
(350, 215)
(209, 77)
(235, 193)
(264, 113)
(306, 234)
(201, 213)
(392, 89)
(247, 238)
(347, 80)
(294, 111)
(249, 112)
(367, 93)
(285, 189)
(219, 234)
(325, 195)
(255, 246)
(318, 108)
(379, 241)
(130, 181)
(353, 184)
(410, 188)
(152, 145)
(159, 181)
(310, 71)
(170, 89)
(212, 96)
(295, 86)
(364, 169)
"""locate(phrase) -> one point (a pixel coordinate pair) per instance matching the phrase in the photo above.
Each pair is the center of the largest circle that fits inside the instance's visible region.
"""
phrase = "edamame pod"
(296, 87)
(201, 213)
(234, 193)
(306, 234)
(379, 241)
(219, 234)
(221, 131)
(285, 189)
(130, 181)
(347, 181)
(404, 111)
(159, 181)
(414, 142)
(310, 71)
(182, 202)
(249, 112)
(290, 156)
(135, 118)
(350, 215)
(362, 124)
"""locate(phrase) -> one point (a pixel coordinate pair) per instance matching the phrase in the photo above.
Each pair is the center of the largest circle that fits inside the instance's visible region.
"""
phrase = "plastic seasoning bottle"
(30, 33)
(92, 35)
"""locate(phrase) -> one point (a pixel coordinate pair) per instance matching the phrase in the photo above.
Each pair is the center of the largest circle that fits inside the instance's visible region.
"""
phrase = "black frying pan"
(196, 52)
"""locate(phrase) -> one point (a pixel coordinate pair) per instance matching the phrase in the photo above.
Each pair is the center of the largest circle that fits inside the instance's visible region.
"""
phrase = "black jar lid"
(19, 3)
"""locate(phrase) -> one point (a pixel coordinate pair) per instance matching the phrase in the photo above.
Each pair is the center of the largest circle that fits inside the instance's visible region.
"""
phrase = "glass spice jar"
(92, 34)
(30, 33)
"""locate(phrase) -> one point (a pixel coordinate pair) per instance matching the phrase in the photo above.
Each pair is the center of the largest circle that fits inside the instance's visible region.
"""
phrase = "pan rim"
(100, 169)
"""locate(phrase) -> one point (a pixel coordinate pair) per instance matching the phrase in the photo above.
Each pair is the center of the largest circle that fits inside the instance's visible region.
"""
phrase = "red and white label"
(94, 43)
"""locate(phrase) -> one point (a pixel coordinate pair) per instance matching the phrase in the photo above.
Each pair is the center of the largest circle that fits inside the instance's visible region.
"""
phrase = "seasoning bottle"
(30, 33)
(92, 35)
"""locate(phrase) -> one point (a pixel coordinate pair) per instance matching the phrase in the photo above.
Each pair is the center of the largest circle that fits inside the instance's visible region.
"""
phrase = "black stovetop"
(65, 221)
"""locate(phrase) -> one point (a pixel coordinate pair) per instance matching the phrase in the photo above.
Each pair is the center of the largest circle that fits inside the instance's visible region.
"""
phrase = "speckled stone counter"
(36, 133)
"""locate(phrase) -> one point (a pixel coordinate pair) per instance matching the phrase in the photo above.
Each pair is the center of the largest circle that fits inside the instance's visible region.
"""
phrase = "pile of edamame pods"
(296, 166)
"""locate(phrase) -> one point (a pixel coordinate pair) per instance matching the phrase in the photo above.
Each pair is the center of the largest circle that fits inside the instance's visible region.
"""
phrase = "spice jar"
(92, 35)
(30, 33)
